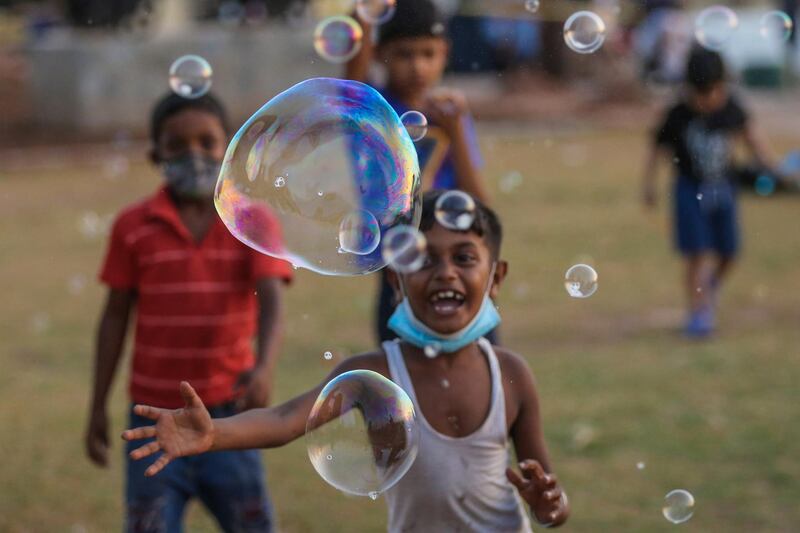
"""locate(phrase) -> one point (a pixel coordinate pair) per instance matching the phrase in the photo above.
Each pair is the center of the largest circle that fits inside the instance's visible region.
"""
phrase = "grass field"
(618, 384)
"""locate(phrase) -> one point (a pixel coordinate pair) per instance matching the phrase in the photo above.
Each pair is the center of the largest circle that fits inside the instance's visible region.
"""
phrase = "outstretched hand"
(541, 491)
(178, 432)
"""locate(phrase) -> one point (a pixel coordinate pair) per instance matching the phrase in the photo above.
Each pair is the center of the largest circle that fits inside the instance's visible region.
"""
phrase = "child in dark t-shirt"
(698, 134)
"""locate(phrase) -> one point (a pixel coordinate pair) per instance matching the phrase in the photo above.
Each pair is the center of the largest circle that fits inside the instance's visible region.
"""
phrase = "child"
(459, 480)
(194, 287)
(697, 134)
(413, 48)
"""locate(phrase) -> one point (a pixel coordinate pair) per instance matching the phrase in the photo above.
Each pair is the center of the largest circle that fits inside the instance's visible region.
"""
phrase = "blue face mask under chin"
(409, 328)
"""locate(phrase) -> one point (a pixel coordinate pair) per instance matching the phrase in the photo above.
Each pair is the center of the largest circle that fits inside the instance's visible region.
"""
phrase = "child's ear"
(394, 282)
(500, 273)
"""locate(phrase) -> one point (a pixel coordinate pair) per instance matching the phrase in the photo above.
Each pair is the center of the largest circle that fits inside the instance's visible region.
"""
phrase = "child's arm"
(110, 338)
(357, 69)
(655, 153)
(537, 485)
(757, 145)
(191, 431)
(258, 382)
(449, 109)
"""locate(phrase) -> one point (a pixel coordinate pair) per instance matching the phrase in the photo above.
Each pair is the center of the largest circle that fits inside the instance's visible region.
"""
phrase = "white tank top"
(456, 484)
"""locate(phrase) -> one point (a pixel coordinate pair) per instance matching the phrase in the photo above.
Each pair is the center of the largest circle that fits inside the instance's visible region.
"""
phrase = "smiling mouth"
(446, 302)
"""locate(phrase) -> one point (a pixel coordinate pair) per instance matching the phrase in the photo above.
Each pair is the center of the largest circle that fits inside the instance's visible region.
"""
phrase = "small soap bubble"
(374, 495)
(776, 26)
(455, 210)
(359, 232)
(678, 506)
(404, 249)
(640, 465)
(328, 356)
(280, 181)
(76, 284)
(580, 281)
(531, 6)
(190, 76)
(415, 124)
(342, 152)
(376, 11)
(510, 181)
(432, 350)
(714, 27)
(584, 32)
(338, 39)
(445, 383)
(362, 435)
(699, 196)
(40, 322)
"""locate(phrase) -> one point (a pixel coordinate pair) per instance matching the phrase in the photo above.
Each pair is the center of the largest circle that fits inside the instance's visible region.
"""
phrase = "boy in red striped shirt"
(200, 296)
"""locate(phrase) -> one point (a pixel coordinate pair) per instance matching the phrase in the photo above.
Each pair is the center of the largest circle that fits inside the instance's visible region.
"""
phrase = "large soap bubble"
(318, 175)
(361, 434)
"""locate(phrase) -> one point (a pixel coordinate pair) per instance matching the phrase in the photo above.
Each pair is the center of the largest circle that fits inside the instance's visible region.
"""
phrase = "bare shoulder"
(375, 361)
(515, 370)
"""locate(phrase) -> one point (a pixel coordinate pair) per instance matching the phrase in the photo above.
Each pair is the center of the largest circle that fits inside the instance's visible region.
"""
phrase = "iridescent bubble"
(415, 124)
(328, 356)
(338, 39)
(362, 435)
(359, 232)
(341, 149)
(190, 76)
(714, 26)
(764, 185)
(678, 506)
(580, 281)
(531, 6)
(455, 210)
(280, 181)
(404, 249)
(584, 32)
(776, 26)
(376, 11)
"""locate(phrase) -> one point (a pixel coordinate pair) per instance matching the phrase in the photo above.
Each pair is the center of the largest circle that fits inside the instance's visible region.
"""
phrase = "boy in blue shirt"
(698, 134)
(413, 48)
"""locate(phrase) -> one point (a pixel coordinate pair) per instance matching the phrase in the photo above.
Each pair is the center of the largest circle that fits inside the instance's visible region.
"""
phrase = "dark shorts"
(385, 308)
(706, 218)
(229, 484)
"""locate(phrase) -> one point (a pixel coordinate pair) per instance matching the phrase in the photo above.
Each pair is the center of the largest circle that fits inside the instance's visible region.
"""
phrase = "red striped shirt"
(196, 305)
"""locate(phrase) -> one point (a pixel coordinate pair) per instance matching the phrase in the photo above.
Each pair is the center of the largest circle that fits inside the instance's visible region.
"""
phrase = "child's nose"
(445, 270)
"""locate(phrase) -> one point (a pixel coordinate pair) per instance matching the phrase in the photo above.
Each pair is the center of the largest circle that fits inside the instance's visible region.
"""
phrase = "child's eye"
(465, 258)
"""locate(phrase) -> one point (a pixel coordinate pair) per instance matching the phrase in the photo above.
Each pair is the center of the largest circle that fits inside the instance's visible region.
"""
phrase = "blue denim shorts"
(706, 217)
(229, 484)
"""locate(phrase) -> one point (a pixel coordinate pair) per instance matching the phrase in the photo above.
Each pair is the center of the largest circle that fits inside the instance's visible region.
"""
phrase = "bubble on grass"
(640, 465)
(764, 185)
(362, 434)
(775, 26)
(404, 249)
(583, 435)
(338, 39)
(678, 506)
(342, 152)
(328, 356)
(531, 6)
(376, 11)
(415, 123)
(510, 181)
(76, 284)
(455, 210)
(580, 281)
(190, 76)
(714, 26)
(359, 232)
(584, 32)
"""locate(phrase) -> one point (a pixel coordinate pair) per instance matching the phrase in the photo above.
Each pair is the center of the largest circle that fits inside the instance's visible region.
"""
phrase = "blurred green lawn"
(618, 384)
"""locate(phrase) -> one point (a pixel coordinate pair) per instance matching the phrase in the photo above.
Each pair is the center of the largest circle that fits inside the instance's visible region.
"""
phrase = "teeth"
(447, 295)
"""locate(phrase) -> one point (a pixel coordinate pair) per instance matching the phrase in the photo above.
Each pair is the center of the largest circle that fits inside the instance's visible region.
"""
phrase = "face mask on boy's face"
(191, 176)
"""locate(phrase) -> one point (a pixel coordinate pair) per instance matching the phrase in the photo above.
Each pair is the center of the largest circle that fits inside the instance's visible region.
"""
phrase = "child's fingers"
(533, 470)
(518, 481)
(147, 411)
(550, 480)
(189, 395)
(553, 495)
(139, 433)
(157, 466)
(148, 449)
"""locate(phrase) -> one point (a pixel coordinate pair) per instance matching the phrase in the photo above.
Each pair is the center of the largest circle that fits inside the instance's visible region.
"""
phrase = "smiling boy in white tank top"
(470, 399)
